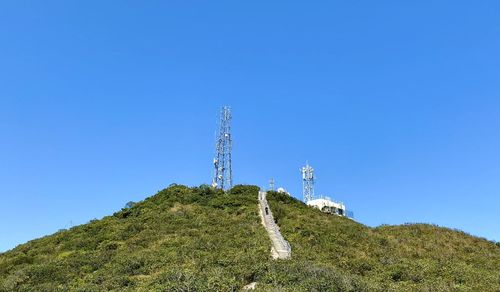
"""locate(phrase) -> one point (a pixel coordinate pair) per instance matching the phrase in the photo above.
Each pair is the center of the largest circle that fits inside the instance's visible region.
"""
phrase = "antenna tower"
(223, 172)
(271, 184)
(307, 182)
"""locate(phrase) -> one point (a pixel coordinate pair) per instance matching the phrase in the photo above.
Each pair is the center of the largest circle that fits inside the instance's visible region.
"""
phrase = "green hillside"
(199, 239)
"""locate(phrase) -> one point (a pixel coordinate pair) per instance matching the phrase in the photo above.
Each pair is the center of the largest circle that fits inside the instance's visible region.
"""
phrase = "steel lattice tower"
(271, 184)
(307, 182)
(223, 172)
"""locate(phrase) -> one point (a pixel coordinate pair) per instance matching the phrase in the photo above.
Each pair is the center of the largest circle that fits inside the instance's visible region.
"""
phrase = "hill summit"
(199, 239)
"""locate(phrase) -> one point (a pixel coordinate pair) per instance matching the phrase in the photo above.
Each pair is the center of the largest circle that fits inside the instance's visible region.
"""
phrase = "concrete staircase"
(280, 247)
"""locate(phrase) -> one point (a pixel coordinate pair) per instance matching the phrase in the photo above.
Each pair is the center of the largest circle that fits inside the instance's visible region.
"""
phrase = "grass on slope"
(200, 239)
(181, 239)
(407, 257)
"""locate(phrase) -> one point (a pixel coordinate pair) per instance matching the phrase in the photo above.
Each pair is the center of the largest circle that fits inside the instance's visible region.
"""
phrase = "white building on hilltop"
(282, 190)
(328, 206)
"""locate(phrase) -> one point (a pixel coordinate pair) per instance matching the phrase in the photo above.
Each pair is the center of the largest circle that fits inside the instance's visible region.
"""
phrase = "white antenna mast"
(307, 182)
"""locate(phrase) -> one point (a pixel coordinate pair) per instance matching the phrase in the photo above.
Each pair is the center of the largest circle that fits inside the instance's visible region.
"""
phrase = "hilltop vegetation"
(181, 238)
(198, 239)
(409, 257)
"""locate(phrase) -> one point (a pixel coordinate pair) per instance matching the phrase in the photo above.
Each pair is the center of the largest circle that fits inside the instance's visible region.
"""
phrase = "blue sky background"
(395, 103)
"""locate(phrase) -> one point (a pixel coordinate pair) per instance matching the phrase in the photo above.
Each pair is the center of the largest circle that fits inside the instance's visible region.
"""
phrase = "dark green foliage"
(202, 239)
(182, 239)
(407, 257)
(130, 204)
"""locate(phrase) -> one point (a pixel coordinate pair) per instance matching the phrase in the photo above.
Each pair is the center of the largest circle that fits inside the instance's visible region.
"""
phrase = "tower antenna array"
(307, 182)
(223, 172)
(271, 184)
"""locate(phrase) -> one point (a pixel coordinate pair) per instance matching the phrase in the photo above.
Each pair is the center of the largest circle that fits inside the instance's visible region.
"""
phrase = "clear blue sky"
(396, 105)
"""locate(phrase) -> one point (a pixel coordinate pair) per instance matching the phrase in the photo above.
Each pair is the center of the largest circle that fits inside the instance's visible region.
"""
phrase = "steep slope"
(280, 248)
(198, 239)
